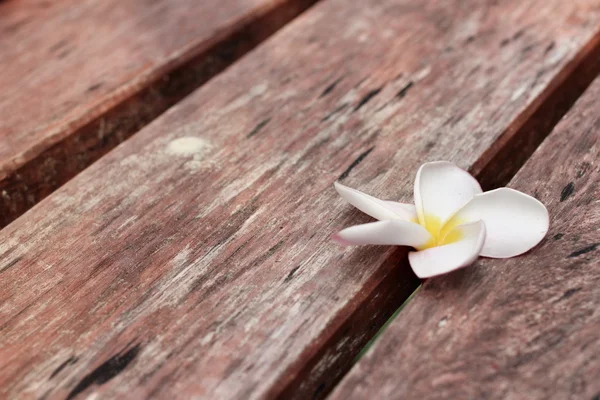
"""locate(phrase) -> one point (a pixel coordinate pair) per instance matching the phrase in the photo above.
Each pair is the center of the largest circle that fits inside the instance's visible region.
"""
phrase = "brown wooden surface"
(78, 77)
(158, 272)
(522, 328)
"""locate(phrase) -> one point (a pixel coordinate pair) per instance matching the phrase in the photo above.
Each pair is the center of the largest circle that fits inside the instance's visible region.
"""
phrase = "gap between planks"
(42, 173)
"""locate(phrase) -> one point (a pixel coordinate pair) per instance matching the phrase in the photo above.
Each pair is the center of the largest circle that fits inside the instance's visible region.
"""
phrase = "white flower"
(452, 223)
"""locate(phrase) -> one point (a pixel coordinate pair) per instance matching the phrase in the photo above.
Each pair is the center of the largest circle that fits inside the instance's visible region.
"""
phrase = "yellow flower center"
(441, 235)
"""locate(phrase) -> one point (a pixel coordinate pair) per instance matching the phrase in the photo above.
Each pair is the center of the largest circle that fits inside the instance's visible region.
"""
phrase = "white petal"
(390, 232)
(441, 189)
(443, 259)
(407, 211)
(379, 209)
(514, 221)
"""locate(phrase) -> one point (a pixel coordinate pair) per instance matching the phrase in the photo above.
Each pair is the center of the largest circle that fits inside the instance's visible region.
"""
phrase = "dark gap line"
(402, 92)
(258, 127)
(584, 250)
(367, 98)
(332, 113)
(371, 342)
(332, 86)
(24, 187)
(355, 163)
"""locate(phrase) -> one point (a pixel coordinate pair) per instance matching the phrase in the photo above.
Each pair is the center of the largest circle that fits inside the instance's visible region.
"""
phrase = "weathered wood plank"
(169, 271)
(520, 328)
(79, 77)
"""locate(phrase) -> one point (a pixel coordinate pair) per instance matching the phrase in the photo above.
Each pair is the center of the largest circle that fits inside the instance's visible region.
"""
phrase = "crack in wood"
(106, 371)
(332, 86)
(258, 127)
(357, 161)
(367, 98)
(402, 92)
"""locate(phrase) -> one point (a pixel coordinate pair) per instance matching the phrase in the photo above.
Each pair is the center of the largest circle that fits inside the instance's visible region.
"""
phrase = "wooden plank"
(525, 327)
(79, 77)
(169, 270)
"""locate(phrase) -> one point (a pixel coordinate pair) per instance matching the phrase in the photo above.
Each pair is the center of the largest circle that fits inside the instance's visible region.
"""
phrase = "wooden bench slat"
(519, 328)
(207, 269)
(79, 77)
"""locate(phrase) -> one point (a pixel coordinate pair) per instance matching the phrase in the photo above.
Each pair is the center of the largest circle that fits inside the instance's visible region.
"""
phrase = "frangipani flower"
(452, 222)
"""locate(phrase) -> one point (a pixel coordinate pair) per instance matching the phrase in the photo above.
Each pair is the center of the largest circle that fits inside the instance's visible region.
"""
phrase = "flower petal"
(514, 221)
(407, 211)
(389, 232)
(379, 209)
(443, 259)
(441, 189)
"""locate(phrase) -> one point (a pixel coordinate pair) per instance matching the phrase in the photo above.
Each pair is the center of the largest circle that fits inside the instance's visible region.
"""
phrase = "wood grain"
(79, 77)
(522, 328)
(166, 270)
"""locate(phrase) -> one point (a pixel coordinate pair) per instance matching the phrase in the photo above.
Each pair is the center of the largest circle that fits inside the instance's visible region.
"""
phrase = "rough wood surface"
(522, 328)
(79, 77)
(195, 258)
